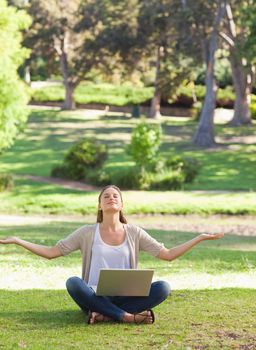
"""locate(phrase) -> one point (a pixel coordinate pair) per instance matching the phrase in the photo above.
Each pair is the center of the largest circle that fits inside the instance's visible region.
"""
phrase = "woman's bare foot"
(146, 317)
(95, 317)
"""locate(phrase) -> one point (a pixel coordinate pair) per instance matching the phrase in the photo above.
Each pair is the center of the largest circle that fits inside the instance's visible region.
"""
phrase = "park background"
(158, 97)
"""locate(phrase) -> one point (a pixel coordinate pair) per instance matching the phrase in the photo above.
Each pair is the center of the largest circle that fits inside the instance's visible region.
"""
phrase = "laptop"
(124, 282)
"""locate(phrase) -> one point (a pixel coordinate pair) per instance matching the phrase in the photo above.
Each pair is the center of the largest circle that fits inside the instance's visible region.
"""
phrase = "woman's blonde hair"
(100, 213)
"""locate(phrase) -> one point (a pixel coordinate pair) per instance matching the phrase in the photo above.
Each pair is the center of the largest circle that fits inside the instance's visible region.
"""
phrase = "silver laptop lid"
(125, 282)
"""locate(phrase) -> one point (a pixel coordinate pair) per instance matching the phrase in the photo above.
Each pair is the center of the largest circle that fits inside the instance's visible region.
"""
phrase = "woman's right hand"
(8, 240)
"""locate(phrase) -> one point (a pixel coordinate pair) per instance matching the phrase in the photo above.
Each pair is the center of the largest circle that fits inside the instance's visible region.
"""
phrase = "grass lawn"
(34, 197)
(49, 133)
(45, 317)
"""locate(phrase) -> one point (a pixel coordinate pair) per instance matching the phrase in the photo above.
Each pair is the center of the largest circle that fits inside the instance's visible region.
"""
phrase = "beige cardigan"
(83, 237)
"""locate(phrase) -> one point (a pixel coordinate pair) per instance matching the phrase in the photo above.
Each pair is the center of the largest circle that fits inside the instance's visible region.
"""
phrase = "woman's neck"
(111, 222)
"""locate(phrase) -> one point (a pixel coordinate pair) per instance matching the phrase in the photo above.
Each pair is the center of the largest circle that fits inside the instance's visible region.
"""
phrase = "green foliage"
(48, 94)
(188, 167)
(162, 173)
(167, 180)
(145, 143)
(253, 107)
(187, 95)
(127, 178)
(6, 182)
(13, 94)
(98, 177)
(86, 92)
(84, 155)
(222, 71)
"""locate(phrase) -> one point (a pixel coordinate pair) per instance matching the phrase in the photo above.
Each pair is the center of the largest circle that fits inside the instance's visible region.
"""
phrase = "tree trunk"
(204, 135)
(241, 75)
(69, 103)
(155, 106)
(242, 86)
(156, 99)
(27, 76)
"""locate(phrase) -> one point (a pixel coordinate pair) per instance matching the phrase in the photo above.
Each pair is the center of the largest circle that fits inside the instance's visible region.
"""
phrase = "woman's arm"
(173, 253)
(41, 250)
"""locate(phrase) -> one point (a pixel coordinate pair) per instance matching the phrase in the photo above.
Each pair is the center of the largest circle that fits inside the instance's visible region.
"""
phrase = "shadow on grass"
(46, 319)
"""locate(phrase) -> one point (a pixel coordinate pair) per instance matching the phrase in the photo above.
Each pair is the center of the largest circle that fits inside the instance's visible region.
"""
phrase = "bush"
(162, 174)
(190, 167)
(6, 182)
(225, 97)
(127, 178)
(184, 96)
(145, 142)
(168, 180)
(85, 155)
(253, 107)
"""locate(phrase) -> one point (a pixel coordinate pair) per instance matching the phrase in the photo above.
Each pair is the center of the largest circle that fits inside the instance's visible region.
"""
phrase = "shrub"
(225, 97)
(130, 178)
(168, 180)
(6, 182)
(190, 167)
(145, 142)
(196, 110)
(157, 165)
(253, 107)
(85, 155)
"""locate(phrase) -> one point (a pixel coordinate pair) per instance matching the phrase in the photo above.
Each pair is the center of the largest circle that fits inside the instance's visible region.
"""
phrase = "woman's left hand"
(206, 236)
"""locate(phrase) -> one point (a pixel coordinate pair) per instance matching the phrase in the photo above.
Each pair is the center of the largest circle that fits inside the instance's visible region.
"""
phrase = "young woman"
(112, 243)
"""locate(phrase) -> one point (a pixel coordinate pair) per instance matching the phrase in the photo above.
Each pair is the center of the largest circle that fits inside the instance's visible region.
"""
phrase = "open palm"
(8, 240)
(212, 235)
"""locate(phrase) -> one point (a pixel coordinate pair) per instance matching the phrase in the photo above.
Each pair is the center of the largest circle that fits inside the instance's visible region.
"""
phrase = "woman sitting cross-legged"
(112, 243)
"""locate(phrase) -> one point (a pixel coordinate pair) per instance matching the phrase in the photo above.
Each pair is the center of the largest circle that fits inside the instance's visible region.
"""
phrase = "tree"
(159, 38)
(13, 96)
(199, 23)
(236, 35)
(57, 34)
(204, 135)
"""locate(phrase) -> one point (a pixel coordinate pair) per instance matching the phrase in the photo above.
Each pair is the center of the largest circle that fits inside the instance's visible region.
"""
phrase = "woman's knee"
(164, 288)
(73, 283)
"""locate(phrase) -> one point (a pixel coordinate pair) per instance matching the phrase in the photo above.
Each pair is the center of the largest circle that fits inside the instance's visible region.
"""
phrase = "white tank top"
(105, 256)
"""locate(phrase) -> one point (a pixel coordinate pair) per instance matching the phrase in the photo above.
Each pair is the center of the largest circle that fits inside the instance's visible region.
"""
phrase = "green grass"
(47, 318)
(49, 134)
(228, 255)
(32, 197)
(220, 319)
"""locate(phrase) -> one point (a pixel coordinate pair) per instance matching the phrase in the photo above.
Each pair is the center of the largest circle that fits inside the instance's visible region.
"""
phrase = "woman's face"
(110, 200)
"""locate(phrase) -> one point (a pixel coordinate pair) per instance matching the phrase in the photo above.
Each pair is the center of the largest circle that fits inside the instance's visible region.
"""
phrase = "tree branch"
(227, 39)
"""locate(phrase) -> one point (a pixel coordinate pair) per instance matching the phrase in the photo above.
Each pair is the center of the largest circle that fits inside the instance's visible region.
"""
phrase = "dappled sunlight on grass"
(49, 134)
(225, 258)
